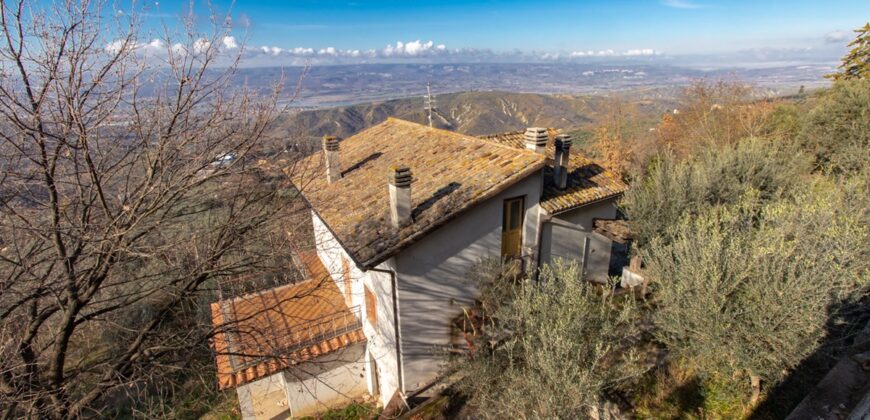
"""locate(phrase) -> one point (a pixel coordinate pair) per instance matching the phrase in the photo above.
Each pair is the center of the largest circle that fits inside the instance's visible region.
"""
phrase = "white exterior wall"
(383, 380)
(264, 399)
(382, 337)
(433, 283)
(567, 234)
(332, 254)
(327, 382)
(330, 381)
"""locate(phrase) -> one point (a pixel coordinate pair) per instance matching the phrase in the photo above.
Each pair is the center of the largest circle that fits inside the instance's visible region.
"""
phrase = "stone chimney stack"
(400, 195)
(563, 153)
(330, 155)
(536, 139)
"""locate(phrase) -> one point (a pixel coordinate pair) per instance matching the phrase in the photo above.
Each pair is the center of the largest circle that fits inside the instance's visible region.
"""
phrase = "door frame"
(505, 222)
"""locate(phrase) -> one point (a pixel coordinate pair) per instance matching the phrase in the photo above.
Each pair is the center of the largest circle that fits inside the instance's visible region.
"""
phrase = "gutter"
(609, 197)
(396, 329)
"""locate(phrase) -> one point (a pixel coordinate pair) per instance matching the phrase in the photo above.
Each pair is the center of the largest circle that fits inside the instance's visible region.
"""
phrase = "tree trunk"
(755, 381)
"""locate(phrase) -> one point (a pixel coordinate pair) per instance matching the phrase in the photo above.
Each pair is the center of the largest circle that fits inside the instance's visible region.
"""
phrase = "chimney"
(400, 195)
(563, 152)
(536, 139)
(330, 155)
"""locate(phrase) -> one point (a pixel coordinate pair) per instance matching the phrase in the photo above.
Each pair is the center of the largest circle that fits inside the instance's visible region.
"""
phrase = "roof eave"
(588, 203)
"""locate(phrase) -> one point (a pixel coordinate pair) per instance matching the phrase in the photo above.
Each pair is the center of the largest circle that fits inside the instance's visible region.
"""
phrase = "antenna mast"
(430, 102)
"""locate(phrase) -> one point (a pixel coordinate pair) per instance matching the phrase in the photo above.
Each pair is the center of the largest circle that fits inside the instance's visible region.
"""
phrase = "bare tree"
(128, 187)
(712, 113)
(618, 136)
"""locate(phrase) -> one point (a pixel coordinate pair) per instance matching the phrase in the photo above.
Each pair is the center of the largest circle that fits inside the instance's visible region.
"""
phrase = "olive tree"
(551, 348)
(837, 129)
(748, 288)
(674, 189)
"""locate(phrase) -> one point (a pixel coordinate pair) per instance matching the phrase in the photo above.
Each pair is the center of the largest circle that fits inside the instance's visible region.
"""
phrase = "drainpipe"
(398, 331)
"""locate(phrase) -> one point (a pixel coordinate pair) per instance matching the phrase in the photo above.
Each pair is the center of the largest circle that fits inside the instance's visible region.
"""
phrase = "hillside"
(473, 113)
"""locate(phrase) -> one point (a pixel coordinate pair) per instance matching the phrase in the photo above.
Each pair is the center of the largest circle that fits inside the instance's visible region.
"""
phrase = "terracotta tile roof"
(266, 332)
(587, 181)
(451, 172)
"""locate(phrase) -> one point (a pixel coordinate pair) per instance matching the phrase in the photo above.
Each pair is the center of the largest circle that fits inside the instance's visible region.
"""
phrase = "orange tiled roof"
(266, 332)
(451, 171)
(587, 181)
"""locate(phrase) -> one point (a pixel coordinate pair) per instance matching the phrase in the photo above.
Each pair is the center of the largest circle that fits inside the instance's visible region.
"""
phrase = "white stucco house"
(401, 212)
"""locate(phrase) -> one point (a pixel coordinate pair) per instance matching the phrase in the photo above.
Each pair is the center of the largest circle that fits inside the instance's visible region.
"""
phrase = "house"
(401, 212)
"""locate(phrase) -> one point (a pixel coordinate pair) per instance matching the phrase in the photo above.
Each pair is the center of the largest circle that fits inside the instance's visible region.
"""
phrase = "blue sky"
(672, 27)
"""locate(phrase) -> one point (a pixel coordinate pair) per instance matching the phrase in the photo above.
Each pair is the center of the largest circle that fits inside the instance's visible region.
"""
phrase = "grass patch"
(352, 411)
(678, 393)
(224, 408)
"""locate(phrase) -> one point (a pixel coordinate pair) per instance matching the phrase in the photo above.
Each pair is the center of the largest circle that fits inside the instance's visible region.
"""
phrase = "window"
(371, 308)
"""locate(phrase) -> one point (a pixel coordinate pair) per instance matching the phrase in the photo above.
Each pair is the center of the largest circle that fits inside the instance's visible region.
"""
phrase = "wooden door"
(512, 228)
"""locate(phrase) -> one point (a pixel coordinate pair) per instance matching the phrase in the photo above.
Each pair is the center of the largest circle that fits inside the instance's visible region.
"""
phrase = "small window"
(371, 308)
(348, 287)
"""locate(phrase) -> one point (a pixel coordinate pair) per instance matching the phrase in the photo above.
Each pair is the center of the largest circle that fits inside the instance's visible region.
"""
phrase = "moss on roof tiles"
(587, 181)
(451, 171)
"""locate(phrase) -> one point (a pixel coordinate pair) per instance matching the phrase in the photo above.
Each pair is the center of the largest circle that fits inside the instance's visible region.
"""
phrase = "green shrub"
(783, 123)
(749, 287)
(551, 349)
(837, 130)
(673, 190)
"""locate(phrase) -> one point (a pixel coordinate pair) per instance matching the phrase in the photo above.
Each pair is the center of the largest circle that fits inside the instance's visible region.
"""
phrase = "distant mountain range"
(474, 113)
(481, 98)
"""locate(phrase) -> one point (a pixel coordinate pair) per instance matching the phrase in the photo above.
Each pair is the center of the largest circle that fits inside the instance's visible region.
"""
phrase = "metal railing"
(303, 336)
(326, 328)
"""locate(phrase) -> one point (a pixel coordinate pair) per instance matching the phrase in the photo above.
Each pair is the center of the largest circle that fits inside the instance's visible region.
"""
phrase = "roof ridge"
(464, 136)
(523, 131)
(505, 133)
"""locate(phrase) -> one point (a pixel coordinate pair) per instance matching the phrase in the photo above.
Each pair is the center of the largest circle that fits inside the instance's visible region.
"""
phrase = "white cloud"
(415, 50)
(154, 46)
(412, 49)
(200, 45)
(328, 51)
(230, 43)
(115, 46)
(837, 37)
(682, 4)
(271, 50)
(401, 49)
(645, 52)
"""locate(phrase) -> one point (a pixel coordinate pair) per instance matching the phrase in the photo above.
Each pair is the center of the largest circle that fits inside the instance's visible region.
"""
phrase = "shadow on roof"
(437, 195)
(361, 163)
